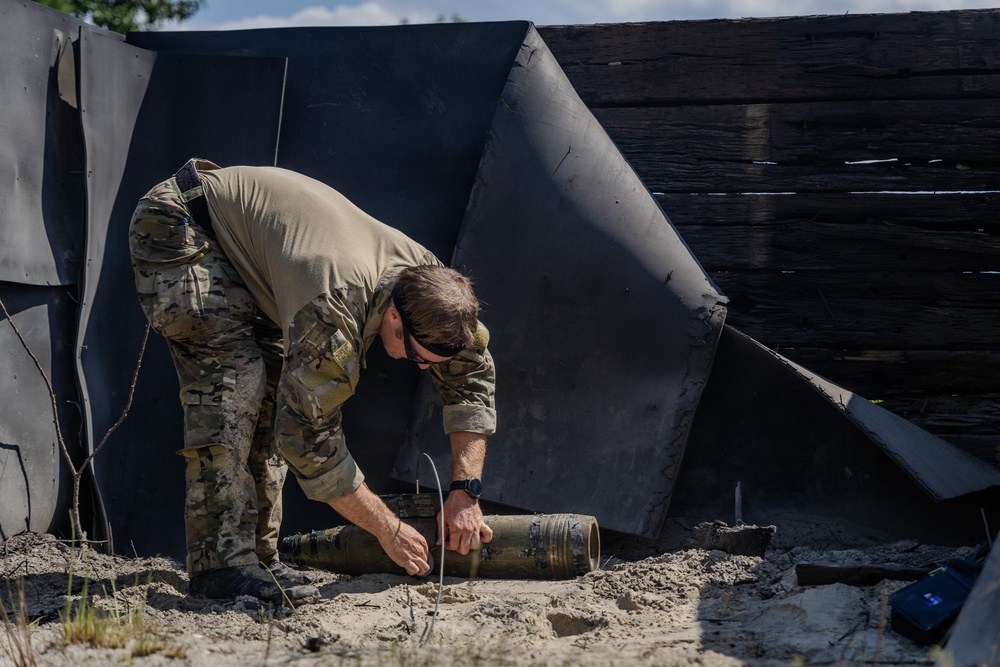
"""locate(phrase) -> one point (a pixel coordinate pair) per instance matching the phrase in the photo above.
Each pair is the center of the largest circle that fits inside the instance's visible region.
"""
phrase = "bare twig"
(48, 385)
(131, 395)
(78, 471)
(78, 474)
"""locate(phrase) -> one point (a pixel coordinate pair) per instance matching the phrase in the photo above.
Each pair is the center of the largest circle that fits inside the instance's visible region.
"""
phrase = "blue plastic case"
(925, 610)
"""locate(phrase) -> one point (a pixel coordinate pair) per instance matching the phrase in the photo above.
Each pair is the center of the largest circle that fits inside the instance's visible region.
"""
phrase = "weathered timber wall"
(839, 179)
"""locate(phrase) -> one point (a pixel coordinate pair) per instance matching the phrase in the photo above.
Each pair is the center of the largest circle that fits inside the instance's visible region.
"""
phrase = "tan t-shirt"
(292, 238)
(323, 270)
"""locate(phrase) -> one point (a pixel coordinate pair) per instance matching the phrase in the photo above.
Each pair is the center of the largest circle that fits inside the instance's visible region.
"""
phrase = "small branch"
(78, 474)
(48, 385)
(128, 402)
(78, 471)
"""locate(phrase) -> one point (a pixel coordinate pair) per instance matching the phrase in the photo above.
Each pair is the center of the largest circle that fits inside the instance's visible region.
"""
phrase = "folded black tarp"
(41, 247)
(975, 638)
(41, 156)
(34, 477)
(410, 123)
(604, 324)
(799, 445)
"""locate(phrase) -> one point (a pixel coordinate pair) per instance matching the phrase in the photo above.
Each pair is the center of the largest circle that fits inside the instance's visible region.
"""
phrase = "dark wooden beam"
(920, 55)
(833, 146)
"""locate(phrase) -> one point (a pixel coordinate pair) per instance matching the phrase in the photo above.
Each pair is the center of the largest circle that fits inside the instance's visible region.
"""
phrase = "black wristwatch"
(472, 486)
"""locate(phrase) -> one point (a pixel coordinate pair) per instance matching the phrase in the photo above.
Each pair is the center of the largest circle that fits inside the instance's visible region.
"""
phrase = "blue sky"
(240, 14)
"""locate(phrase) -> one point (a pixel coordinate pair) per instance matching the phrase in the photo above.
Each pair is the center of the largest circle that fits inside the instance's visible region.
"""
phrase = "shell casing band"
(538, 546)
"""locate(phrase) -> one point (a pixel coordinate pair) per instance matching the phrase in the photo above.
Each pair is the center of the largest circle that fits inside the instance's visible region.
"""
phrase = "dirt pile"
(683, 607)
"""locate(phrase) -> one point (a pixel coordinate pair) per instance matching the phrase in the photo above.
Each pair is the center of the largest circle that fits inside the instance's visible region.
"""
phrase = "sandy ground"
(648, 605)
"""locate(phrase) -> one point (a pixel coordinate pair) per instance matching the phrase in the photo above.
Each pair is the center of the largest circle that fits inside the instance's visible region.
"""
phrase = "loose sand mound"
(679, 607)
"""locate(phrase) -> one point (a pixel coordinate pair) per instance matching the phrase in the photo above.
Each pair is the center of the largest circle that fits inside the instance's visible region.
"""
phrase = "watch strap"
(472, 486)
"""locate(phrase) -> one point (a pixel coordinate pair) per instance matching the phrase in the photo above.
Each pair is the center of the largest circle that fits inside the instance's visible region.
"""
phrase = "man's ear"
(392, 313)
(395, 321)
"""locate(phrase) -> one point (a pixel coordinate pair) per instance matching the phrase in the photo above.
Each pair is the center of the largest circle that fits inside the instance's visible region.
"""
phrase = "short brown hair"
(438, 305)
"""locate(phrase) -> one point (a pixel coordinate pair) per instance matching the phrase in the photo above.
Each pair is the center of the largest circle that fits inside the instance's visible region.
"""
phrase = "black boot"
(291, 576)
(232, 582)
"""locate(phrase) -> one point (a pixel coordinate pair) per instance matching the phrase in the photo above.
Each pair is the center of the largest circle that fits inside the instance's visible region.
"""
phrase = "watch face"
(474, 487)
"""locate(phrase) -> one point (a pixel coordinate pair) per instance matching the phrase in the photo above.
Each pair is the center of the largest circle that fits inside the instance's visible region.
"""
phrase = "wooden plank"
(953, 394)
(969, 415)
(843, 232)
(831, 146)
(801, 245)
(882, 373)
(921, 55)
(682, 176)
(983, 447)
(872, 310)
(948, 213)
(823, 107)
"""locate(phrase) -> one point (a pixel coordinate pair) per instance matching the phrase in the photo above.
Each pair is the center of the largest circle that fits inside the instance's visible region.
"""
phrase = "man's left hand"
(464, 527)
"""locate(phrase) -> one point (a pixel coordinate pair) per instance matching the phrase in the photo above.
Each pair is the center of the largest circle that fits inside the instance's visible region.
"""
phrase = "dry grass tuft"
(123, 626)
(15, 635)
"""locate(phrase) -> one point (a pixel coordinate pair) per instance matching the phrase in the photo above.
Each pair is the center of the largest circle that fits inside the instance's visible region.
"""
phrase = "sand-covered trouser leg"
(193, 296)
(266, 463)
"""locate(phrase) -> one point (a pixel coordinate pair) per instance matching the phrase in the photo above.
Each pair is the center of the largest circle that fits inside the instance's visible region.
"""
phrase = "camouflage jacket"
(305, 243)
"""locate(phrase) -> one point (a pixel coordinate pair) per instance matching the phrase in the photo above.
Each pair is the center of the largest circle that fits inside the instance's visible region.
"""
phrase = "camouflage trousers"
(228, 358)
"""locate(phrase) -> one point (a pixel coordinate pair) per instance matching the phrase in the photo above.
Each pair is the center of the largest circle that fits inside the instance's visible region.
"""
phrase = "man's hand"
(407, 548)
(464, 527)
(402, 543)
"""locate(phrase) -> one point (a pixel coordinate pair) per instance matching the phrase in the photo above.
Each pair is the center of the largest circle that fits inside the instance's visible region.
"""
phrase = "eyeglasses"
(445, 351)
(411, 354)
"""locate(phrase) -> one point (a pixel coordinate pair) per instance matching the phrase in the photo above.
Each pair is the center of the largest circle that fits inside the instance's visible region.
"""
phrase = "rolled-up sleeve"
(317, 454)
(467, 384)
(320, 373)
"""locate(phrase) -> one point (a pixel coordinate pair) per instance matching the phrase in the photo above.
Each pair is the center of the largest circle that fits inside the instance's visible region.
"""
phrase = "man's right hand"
(407, 548)
(401, 542)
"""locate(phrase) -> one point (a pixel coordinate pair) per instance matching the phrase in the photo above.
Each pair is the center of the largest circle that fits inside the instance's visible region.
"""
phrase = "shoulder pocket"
(317, 388)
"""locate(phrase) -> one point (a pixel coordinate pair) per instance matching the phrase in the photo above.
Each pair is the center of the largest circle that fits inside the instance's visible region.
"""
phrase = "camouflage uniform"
(243, 403)
(228, 359)
(326, 352)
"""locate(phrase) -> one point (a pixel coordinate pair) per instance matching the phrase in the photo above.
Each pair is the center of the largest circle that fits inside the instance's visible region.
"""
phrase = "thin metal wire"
(429, 628)
(986, 523)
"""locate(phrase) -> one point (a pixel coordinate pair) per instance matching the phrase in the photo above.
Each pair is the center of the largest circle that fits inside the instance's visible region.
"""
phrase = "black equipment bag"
(926, 609)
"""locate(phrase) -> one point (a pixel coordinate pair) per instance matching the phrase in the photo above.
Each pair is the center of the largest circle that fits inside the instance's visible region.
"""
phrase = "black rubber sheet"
(798, 444)
(41, 239)
(394, 117)
(41, 196)
(603, 325)
(34, 477)
(146, 114)
(942, 470)
(975, 637)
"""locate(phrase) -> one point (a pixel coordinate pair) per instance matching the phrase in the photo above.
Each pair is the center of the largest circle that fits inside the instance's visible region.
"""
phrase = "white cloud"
(551, 12)
(367, 13)
(741, 8)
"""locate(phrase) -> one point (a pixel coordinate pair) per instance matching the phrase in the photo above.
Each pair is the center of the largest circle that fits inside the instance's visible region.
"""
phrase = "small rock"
(738, 540)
